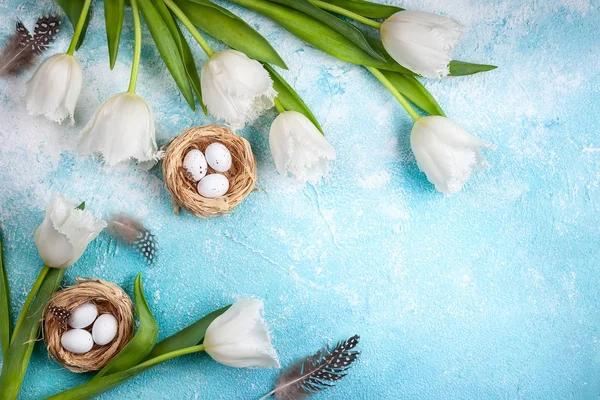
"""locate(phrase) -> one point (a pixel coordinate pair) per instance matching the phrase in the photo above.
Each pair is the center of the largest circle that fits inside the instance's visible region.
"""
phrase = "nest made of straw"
(241, 175)
(109, 299)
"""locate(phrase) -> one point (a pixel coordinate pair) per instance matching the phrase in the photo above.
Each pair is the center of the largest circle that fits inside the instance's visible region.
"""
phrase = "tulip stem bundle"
(346, 13)
(190, 27)
(401, 99)
(79, 27)
(137, 49)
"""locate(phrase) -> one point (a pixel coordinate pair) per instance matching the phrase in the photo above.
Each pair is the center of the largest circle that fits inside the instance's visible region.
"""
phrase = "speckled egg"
(213, 185)
(83, 316)
(195, 165)
(104, 329)
(78, 341)
(218, 157)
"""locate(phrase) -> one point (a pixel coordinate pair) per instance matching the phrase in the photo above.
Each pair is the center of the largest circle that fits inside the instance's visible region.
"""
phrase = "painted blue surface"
(489, 294)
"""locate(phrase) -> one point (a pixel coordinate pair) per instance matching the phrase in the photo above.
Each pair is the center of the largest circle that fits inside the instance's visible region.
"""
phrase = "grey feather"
(132, 232)
(23, 48)
(317, 372)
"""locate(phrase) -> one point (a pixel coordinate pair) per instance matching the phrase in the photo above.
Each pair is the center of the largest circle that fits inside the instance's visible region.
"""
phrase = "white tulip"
(299, 148)
(65, 233)
(239, 337)
(447, 153)
(236, 88)
(421, 42)
(121, 129)
(54, 88)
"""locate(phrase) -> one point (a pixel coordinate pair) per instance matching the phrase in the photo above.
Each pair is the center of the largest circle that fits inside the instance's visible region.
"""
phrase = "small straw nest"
(109, 299)
(241, 175)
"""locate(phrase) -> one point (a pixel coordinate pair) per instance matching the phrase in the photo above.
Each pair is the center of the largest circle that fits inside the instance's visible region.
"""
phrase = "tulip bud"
(239, 337)
(299, 148)
(54, 88)
(421, 42)
(446, 153)
(65, 233)
(236, 88)
(121, 129)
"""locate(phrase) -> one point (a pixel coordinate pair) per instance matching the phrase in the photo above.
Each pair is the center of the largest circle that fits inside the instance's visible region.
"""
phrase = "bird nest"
(109, 299)
(241, 175)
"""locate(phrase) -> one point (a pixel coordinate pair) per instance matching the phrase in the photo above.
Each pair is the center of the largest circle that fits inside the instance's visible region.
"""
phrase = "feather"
(23, 48)
(132, 232)
(317, 372)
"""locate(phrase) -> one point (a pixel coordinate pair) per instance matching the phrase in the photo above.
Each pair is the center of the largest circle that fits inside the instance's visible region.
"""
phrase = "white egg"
(104, 329)
(77, 341)
(83, 316)
(218, 157)
(195, 165)
(213, 185)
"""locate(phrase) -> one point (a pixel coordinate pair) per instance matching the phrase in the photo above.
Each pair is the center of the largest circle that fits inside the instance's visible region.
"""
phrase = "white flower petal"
(65, 232)
(446, 153)
(54, 88)
(236, 88)
(420, 41)
(121, 129)
(239, 337)
(299, 148)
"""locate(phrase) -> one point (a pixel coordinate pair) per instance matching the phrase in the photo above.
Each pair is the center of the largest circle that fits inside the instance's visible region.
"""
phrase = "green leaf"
(168, 49)
(345, 29)
(5, 311)
(19, 352)
(143, 341)
(414, 91)
(366, 8)
(232, 30)
(289, 98)
(187, 337)
(72, 9)
(184, 50)
(113, 16)
(461, 68)
(320, 35)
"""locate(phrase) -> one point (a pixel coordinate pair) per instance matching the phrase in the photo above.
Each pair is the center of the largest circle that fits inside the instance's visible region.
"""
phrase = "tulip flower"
(299, 148)
(421, 42)
(236, 88)
(239, 338)
(65, 233)
(54, 88)
(447, 153)
(121, 129)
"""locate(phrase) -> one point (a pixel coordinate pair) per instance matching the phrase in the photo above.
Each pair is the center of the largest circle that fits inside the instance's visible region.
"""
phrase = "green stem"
(279, 106)
(401, 99)
(347, 13)
(190, 27)
(96, 387)
(79, 27)
(137, 47)
(17, 358)
(34, 290)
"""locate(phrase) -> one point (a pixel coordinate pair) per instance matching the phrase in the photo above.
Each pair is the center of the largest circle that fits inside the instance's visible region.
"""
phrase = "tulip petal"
(446, 153)
(121, 129)
(299, 148)
(65, 232)
(422, 42)
(54, 88)
(239, 337)
(236, 88)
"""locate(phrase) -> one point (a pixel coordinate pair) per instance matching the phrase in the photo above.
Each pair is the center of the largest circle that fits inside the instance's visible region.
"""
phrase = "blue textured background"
(491, 293)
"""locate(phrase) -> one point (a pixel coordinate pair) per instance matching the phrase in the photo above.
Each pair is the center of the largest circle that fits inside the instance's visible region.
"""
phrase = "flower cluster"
(237, 86)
